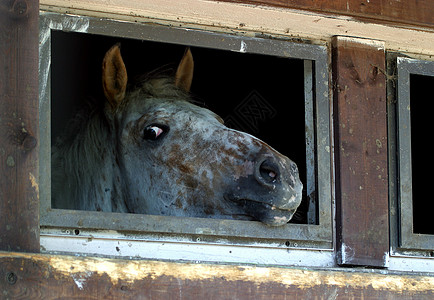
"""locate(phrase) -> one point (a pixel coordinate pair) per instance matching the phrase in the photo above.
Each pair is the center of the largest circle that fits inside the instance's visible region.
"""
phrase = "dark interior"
(422, 105)
(263, 95)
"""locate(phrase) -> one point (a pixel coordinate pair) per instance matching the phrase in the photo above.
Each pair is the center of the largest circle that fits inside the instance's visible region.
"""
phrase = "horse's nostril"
(268, 172)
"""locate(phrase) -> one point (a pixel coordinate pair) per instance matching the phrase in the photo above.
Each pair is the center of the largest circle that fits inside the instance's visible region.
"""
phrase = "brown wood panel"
(361, 151)
(417, 12)
(19, 203)
(25, 276)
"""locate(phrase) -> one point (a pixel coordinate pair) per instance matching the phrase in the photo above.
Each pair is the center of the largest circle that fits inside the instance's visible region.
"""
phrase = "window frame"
(403, 240)
(62, 223)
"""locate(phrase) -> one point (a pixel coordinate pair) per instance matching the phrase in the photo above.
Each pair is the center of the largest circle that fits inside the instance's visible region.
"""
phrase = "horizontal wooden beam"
(54, 277)
(248, 20)
(417, 12)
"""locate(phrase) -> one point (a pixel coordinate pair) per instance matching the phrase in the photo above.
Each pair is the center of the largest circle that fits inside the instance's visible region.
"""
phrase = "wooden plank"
(19, 203)
(26, 276)
(415, 12)
(361, 152)
(247, 20)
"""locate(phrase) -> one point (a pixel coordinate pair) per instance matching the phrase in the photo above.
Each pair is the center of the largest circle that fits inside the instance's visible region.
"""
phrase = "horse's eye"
(153, 132)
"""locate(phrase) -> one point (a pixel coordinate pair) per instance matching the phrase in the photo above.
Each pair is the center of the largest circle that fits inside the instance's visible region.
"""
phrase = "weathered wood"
(361, 152)
(248, 20)
(417, 12)
(26, 276)
(19, 203)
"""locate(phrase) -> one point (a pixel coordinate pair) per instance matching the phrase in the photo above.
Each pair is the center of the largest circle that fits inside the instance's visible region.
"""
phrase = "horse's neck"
(84, 175)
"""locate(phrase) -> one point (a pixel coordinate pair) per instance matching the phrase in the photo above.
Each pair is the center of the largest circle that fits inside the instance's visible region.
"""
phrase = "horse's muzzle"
(281, 177)
(272, 193)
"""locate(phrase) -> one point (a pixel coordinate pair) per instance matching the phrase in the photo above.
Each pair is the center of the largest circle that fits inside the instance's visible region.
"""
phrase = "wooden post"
(19, 125)
(361, 152)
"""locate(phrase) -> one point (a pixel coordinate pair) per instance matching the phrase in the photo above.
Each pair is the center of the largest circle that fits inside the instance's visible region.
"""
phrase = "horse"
(150, 150)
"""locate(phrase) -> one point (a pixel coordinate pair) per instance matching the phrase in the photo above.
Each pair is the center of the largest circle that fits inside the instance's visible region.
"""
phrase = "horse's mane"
(83, 157)
(77, 157)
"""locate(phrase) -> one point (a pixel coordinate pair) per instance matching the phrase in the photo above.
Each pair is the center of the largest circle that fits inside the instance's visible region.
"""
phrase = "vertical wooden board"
(361, 152)
(19, 222)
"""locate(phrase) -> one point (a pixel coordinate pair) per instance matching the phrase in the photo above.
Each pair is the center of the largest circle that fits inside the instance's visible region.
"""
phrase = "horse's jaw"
(259, 210)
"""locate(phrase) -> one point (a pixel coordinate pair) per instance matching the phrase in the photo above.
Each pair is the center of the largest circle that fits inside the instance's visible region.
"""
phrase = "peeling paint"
(386, 259)
(81, 269)
(129, 271)
(347, 253)
(243, 47)
(34, 183)
(369, 42)
(81, 278)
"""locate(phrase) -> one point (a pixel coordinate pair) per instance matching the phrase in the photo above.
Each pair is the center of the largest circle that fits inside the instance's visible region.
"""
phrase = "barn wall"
(54, 276)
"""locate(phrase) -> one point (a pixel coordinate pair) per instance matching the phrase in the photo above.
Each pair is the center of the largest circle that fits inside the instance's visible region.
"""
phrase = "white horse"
(149, 150)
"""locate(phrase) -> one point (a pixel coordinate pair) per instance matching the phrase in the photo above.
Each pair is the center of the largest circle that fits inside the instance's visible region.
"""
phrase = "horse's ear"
(184, 73)
(114, 76)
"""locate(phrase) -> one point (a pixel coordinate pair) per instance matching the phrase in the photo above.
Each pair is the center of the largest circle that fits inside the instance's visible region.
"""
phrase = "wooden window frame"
(403, 239)
(69, 226)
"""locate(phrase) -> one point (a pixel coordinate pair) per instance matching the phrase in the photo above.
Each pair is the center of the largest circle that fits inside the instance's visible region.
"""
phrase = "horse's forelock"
(163, 87)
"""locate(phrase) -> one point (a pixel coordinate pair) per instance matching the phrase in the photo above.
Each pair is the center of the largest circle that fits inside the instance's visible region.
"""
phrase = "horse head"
(178, 159)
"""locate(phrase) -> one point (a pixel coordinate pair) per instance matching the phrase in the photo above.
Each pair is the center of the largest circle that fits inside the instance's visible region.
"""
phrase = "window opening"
(230, 84)
(412, 231)
(421, 113)
(275, 90)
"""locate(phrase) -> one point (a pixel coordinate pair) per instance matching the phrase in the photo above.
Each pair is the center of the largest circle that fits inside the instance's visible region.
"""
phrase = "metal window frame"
(402, 236)
(63, 223)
